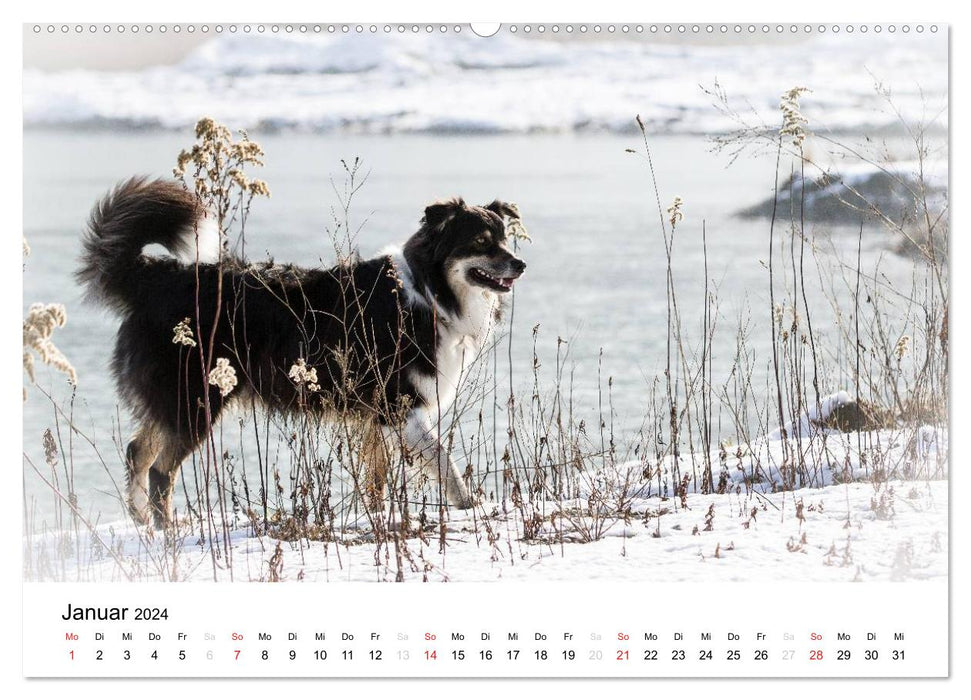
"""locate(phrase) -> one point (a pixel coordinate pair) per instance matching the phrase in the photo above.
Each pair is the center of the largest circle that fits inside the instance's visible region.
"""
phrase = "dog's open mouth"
(499, 284)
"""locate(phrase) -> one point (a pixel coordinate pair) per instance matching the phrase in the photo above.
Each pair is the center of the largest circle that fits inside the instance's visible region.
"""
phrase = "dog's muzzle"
(499, 281)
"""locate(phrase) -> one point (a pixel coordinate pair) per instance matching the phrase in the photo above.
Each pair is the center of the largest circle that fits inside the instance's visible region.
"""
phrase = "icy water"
(596, 274)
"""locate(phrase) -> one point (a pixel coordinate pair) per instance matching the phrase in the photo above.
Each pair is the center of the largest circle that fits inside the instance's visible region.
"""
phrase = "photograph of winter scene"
(368, 303)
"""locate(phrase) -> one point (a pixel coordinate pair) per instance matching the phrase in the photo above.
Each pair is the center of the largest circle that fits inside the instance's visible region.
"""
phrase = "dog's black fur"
(372, 329)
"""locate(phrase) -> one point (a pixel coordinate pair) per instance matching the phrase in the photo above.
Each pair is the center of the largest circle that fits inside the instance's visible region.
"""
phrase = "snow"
(894, 530)
(462, 83)
(869, 506)
(810, 418)
(839, 192)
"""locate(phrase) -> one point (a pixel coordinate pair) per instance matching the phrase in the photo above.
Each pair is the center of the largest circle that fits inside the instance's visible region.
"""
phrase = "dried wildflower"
(517, 230)
(26, 248)
(258, 188)
(777, 313)
(395, 277)
(902, 346)
(792, 120)
(50, 448)
(301, 374)
(185, 157)
(515, 227)
(183, 334)
(39, 326)
(237, 176)
(208, 128)
(202, 187)
(674, 212)
(217, 161)
(223, 376)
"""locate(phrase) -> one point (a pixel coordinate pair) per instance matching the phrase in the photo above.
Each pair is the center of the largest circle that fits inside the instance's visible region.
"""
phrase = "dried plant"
(215, 167)
(39, 326)
(223, 376)
(182, 333)
(674, 212)
(793, 122)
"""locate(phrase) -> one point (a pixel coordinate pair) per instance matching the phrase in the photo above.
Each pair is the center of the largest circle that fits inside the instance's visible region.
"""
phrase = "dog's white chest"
(456, 349)
(459, 337)
(454, 355)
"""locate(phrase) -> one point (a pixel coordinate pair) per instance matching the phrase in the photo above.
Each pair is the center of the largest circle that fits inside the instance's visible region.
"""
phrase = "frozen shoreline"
(393, 83)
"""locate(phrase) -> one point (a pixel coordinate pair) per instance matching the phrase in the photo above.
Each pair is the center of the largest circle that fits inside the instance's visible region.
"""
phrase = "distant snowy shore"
(460, 83)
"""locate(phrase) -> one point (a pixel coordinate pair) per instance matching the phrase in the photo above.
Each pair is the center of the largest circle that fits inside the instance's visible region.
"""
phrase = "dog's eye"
(481, 241)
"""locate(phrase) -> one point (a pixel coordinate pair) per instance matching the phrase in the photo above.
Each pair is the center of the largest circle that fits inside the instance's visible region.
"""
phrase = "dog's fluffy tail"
(135, 214)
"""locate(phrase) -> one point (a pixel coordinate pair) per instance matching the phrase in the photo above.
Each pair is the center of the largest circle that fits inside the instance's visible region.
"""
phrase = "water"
(596, 273)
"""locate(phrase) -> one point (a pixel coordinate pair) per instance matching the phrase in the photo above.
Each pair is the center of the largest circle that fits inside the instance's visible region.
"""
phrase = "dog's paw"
(139, 514)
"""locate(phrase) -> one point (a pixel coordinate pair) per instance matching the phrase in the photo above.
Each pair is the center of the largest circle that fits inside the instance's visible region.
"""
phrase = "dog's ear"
(439, 213)
(505, 210)
(509, 213)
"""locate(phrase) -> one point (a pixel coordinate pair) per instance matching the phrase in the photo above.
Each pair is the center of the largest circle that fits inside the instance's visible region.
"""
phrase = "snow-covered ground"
(879, 517)
(896, 530)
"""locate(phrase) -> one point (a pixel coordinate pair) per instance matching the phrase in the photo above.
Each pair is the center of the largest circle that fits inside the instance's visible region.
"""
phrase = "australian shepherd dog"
(385, 340)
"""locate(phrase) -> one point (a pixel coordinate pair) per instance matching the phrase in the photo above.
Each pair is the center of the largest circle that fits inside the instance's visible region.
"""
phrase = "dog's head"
(461, 248)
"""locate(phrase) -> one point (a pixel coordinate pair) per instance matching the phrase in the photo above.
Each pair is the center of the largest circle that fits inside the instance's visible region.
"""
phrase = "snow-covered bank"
(895, 189)
(806, 454)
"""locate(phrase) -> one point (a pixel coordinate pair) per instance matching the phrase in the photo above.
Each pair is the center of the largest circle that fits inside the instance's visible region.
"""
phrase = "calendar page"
(449, 350)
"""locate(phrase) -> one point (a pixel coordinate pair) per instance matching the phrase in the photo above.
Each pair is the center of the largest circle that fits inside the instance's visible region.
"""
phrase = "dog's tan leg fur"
(162, 478)
(140, 455)
(376, 461)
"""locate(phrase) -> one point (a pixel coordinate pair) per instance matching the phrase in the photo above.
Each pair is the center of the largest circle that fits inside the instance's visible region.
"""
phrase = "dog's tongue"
(507, 282)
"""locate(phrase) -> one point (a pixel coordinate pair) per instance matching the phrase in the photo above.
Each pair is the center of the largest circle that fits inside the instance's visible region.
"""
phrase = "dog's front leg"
(424, 443)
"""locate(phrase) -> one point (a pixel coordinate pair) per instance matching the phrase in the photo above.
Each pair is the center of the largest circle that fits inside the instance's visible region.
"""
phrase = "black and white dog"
(385, 340)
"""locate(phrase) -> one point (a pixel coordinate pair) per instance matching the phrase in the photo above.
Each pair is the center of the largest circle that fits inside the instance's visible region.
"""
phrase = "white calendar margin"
(416, 630)
(510, 10)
